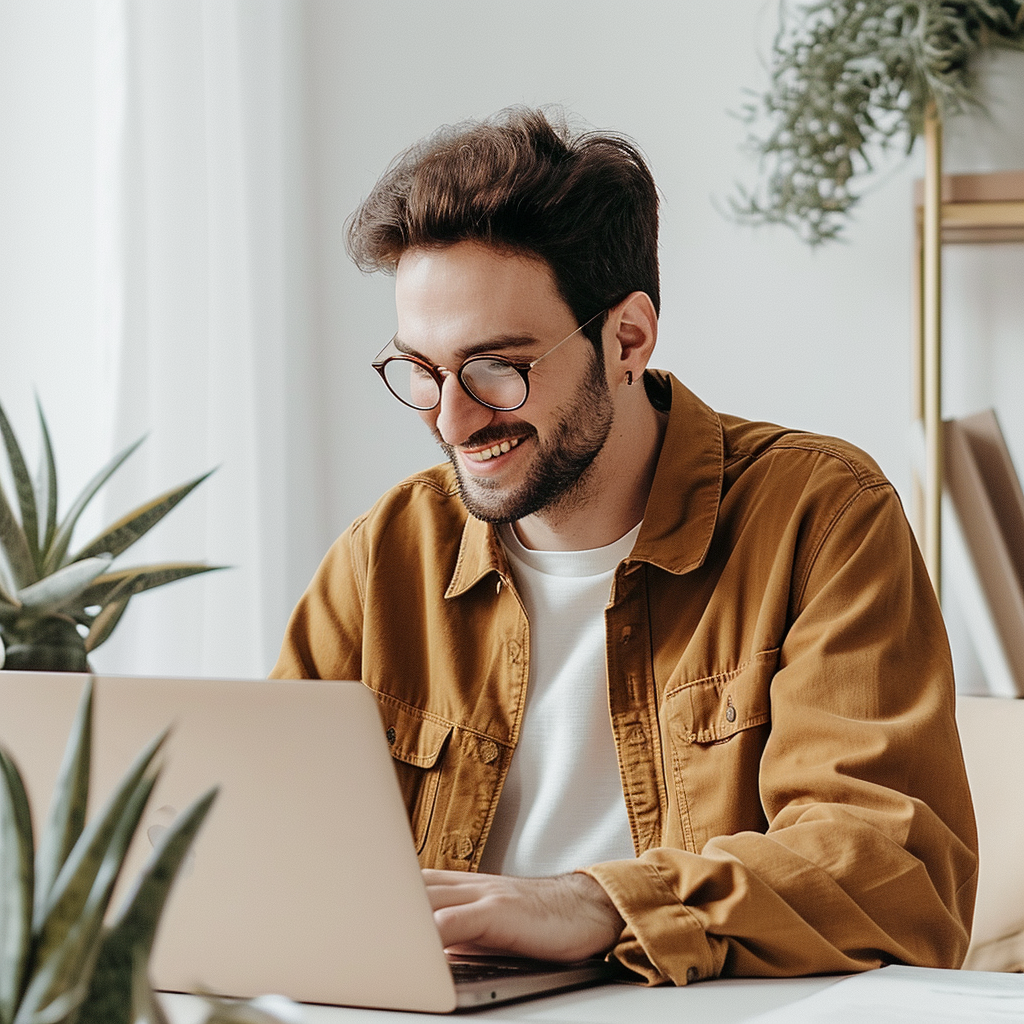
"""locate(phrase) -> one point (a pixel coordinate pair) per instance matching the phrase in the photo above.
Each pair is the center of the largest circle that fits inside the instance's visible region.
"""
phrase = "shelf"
(974, 209)
(979, 208)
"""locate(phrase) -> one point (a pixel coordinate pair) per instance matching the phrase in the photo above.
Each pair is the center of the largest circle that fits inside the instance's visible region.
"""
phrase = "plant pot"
(49, 645)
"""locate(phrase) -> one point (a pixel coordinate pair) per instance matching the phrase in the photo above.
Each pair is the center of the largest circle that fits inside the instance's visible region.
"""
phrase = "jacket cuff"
(662, 941)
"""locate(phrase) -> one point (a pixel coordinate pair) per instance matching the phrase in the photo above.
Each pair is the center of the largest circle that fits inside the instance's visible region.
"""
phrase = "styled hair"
(585, 203)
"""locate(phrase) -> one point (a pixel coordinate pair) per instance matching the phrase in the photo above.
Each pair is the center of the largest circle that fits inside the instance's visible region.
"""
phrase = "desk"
(907, 994)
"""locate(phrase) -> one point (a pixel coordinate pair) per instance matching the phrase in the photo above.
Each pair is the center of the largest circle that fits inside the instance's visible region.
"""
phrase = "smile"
(493, 451)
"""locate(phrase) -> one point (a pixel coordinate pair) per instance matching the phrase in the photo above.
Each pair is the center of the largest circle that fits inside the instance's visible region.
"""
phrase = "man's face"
(466, 299)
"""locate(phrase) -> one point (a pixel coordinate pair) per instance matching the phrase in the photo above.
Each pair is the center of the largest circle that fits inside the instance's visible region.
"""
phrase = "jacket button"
(692, 975)
(730, 714)
(488, 751)
(391, 735)
(460, 846)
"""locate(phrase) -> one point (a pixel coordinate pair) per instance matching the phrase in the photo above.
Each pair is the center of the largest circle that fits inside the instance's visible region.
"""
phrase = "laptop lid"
(303, 879)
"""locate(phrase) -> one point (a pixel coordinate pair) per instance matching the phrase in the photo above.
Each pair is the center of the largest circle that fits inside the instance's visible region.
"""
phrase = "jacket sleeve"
(323, 639)
(870, 854)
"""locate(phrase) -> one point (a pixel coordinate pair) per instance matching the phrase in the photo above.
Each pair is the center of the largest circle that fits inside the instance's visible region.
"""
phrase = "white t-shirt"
(562, 806)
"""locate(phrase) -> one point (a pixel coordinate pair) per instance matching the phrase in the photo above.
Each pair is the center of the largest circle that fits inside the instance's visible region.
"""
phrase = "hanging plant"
(851, 80)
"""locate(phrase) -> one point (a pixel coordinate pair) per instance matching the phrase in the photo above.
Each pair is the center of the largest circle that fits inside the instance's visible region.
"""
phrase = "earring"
(629, 378)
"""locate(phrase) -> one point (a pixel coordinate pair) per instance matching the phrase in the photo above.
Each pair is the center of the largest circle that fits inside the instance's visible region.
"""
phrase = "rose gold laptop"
(303, 880)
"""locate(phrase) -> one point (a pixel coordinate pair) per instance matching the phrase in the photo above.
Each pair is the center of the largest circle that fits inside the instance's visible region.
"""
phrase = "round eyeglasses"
(493, 381)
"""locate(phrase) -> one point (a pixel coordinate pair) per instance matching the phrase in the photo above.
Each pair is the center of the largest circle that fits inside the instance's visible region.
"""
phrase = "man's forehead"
(465, 261)
(472, 291)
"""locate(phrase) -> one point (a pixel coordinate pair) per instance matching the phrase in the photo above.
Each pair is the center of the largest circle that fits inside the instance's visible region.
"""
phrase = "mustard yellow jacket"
(779, 685)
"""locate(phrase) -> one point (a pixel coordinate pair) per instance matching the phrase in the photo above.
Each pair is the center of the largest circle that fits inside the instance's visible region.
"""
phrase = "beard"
(556, 482)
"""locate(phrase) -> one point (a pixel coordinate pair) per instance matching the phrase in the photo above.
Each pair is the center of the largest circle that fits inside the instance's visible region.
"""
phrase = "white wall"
(753, 321)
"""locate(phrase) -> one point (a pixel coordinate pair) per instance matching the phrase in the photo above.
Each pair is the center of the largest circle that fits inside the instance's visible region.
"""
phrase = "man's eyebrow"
(500, 344)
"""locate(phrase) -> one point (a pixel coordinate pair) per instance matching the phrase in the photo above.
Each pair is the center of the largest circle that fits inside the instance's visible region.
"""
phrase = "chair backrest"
(992, 734)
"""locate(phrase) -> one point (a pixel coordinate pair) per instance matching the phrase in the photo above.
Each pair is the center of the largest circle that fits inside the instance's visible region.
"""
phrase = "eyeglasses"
(493, 381)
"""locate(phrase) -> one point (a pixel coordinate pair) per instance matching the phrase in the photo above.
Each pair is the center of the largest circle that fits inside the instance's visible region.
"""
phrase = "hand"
(569, 917)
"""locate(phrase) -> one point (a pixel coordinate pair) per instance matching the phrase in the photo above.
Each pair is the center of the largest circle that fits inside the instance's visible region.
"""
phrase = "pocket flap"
(413, 736)
(713, 709)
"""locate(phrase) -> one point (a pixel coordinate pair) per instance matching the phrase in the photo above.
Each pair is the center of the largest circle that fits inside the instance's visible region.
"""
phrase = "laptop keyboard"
(491, 968)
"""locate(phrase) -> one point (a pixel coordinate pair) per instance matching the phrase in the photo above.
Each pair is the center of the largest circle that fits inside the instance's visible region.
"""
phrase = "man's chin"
(485, 500)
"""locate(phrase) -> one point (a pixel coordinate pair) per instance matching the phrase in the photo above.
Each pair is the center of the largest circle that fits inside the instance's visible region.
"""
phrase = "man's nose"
(458, 415)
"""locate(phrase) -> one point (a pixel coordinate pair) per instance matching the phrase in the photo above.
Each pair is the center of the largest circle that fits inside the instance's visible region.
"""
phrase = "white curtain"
(201, 318)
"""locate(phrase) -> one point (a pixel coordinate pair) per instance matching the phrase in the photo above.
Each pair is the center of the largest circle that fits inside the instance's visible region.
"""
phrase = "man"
(687, 669)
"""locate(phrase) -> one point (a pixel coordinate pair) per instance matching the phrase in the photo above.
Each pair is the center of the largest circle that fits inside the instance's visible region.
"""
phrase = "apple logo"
(163, 817)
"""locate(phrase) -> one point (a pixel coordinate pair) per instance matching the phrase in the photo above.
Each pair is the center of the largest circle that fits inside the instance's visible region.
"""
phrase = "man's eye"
(499, 368)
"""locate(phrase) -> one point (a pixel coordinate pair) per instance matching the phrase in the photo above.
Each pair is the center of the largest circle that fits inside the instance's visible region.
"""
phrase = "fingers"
(472, 925)
(451, 888)
(564, 918)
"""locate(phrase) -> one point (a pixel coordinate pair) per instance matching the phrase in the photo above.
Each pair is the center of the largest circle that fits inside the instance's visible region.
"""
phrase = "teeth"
(490, 453)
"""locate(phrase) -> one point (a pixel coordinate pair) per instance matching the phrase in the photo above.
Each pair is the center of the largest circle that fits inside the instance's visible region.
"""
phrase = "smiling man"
(659, 683)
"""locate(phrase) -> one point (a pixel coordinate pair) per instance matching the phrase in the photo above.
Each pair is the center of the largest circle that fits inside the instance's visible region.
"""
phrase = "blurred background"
(174, 180)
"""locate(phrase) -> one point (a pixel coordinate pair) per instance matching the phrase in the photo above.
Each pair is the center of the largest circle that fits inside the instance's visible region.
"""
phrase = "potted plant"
(853, 79)
(58, 604)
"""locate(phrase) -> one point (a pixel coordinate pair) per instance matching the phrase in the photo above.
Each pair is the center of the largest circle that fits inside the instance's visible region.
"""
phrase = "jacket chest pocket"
(717, 729)
(417, 744)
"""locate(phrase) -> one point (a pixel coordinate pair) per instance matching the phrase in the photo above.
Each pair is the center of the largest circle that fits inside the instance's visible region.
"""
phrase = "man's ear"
(632, 331)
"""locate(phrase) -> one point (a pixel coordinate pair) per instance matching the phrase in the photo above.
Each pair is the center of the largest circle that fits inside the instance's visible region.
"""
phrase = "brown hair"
(586, 204)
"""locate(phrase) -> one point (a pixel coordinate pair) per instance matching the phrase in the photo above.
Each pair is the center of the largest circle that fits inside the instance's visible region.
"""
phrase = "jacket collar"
(683, 505)
(681, 511)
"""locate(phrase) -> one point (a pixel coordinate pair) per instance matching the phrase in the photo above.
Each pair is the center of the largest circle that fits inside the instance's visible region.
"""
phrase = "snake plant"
(57, 604)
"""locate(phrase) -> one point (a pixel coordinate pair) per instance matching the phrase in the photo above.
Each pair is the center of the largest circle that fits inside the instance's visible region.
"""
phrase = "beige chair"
(992, 733)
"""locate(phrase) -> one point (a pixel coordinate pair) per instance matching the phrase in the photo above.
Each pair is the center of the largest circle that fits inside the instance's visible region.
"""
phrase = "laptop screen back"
(303, 879)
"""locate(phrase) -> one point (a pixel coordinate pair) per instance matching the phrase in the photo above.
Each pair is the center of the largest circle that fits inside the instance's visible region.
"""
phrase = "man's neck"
(612, 495)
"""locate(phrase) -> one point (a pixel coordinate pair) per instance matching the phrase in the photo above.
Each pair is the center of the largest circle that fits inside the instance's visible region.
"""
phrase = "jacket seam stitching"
(827, 532)
(864, 474)
(417, 712)
(723, 676)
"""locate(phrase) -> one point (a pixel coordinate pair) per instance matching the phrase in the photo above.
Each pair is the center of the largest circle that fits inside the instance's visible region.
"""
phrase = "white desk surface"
(893, 994)
(723, 1002)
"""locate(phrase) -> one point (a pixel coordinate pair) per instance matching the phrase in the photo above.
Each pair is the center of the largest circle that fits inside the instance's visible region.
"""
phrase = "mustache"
(490, 436)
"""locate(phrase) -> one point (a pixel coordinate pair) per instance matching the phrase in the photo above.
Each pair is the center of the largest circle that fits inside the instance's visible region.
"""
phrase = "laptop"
(303, 880)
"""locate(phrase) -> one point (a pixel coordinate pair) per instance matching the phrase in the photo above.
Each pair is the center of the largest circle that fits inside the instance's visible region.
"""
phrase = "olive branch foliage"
(854, 78)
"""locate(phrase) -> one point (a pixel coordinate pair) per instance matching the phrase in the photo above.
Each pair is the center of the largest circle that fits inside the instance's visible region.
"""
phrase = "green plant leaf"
(145, 1007)
(129, 940)
(134, 580)
(23, 486)
(66, 819)
(58, 549)
(46, 488)
(104, 623)
(16, 883)
(14, 549)
(7, 587)
(61, 588)
(129, 528)
(113, 591)
(67, 966)
(70, 891)
(60, 1011)
(10, 606)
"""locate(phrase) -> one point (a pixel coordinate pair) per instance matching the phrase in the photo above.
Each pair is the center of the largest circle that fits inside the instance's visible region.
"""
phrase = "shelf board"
(979, 208)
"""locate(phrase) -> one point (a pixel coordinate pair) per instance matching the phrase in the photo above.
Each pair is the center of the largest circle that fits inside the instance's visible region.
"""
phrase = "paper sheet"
(901, 994)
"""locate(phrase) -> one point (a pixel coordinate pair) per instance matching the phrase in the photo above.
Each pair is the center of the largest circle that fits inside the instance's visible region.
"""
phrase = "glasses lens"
(412, 383)
(494, 382)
